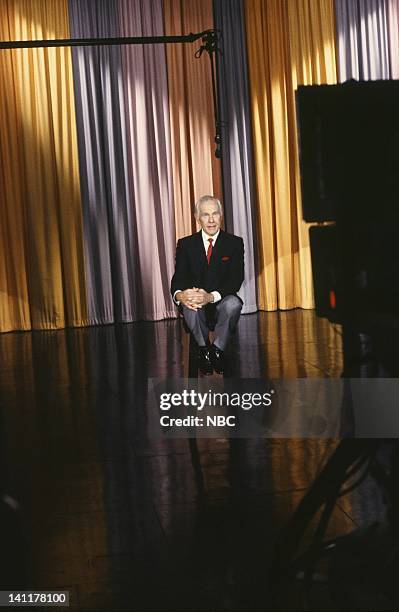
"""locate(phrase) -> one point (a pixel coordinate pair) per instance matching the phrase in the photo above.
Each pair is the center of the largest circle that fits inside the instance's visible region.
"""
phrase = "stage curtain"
(393, 38)
(196, 171)
(149, 156)
(123, 119)
(237, 160)
(41, 252)
(289, 43)
(363, 34)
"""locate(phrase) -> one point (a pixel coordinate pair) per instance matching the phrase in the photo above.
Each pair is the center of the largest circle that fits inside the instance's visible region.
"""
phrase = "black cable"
(357, 482)
(356, 465)
(347, 459)
(298, 561)
(317, 548)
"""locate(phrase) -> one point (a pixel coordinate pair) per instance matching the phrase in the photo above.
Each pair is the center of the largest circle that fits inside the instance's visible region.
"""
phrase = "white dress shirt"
(205, 239)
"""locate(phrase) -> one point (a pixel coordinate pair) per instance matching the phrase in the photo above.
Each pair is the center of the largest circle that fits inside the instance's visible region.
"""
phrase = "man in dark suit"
(209, 272)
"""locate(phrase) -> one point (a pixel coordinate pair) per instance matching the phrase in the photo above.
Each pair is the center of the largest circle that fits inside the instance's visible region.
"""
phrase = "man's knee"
(191, 316)
(187, 312)
(231, 305)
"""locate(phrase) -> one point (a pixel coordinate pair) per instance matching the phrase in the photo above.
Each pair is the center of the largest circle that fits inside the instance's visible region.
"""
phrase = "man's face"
(209, 217)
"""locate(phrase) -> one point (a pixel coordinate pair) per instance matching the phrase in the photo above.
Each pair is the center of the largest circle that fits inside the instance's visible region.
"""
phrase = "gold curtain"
(290, 42)
(41, 250)
(196, 171)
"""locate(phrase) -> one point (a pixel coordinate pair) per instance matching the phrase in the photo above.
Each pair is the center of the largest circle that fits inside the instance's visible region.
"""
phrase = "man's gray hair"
(203, 200)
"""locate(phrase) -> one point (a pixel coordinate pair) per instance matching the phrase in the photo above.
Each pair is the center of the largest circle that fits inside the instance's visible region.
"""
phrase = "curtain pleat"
(311, 29)
(42, 282)
(124, 164)
(289, 43)
(393, 38)
(196, 171)
(363, 39)
(149, 164)
(237, 160)
(100, 116)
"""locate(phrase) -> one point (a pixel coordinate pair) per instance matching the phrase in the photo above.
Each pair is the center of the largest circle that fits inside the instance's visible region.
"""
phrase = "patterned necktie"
(209, 251)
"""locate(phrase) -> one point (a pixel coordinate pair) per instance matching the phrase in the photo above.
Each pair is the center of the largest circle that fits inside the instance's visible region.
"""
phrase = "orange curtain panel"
(289, 43)
(41, 247)
(195, 169)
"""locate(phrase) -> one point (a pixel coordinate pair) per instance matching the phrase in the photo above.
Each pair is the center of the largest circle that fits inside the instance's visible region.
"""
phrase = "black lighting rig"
(210, 44)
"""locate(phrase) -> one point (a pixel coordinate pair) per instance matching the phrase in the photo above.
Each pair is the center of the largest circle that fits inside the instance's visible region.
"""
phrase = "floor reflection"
(124, 522)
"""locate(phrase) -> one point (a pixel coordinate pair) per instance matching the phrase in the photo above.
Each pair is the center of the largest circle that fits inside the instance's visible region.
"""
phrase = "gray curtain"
(364, 47)
(237, 162)
(124, 157)
(149, 155)
(393, 27)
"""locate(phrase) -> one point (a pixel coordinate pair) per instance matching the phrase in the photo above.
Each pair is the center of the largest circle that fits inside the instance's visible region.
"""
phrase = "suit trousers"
(227, 313)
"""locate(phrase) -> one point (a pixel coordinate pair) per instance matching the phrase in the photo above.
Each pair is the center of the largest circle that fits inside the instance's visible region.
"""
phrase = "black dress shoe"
(205, 360)
(217, 359)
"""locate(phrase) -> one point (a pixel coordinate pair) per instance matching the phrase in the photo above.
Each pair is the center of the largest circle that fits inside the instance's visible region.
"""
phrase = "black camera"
(349, 163)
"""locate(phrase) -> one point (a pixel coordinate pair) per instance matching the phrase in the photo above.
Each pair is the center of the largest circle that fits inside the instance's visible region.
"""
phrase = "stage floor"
(127, 523)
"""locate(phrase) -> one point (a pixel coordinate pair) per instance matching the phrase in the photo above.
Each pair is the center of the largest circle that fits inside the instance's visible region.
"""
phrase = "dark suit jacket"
(225, 272)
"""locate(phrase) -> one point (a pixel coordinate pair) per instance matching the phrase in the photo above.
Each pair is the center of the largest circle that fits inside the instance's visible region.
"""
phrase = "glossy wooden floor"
(125, 523)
